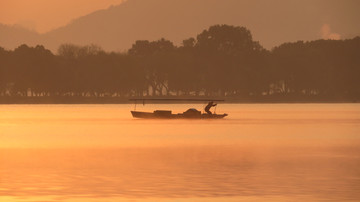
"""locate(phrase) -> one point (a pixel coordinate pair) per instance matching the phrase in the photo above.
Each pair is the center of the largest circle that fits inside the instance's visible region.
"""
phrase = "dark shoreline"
(116, 100)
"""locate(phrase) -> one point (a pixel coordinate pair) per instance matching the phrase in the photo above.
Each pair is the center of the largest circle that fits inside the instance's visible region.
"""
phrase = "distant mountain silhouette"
(14, 36)
(118, 27)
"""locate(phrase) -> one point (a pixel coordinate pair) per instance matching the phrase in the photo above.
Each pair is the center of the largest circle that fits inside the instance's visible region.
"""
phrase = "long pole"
(175, 99)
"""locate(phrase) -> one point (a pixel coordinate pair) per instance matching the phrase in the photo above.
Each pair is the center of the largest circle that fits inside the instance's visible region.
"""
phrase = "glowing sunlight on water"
(260, 152)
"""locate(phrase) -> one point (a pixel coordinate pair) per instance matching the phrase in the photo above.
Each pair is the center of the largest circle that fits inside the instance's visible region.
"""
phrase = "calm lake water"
(260, 152)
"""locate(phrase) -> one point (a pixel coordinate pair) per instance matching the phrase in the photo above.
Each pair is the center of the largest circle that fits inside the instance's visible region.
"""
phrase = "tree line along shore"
(223, 62)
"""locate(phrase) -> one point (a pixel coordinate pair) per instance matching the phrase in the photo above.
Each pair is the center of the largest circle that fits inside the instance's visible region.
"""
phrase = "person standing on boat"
(208, 106)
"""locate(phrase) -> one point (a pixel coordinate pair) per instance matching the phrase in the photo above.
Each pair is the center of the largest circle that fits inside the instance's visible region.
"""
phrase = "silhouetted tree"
(156, 58)
(221, 61)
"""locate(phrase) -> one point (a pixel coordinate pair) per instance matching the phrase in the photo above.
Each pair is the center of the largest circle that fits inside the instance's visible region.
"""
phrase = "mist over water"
(265, 152)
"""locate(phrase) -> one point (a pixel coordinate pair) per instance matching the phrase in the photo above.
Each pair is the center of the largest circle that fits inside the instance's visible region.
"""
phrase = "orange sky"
(44, 15)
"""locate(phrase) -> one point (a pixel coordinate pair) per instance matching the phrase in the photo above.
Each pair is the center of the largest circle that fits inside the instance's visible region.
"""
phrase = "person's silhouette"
(208, 106)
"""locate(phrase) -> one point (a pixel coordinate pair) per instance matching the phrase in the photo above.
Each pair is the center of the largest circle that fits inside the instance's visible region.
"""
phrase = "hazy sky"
(272, 22)
(44, 15)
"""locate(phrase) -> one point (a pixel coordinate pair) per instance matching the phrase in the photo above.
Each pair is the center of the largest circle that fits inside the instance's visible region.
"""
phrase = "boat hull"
(151, 115)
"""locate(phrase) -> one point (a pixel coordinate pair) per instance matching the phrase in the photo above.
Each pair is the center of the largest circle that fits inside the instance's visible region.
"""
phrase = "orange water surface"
(260, 152)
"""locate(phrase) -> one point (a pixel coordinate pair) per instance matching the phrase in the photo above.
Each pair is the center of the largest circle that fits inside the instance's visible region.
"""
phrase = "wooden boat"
(167, 114)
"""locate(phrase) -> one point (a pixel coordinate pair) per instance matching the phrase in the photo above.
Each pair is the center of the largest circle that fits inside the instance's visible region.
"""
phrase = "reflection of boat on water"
(167, 114)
